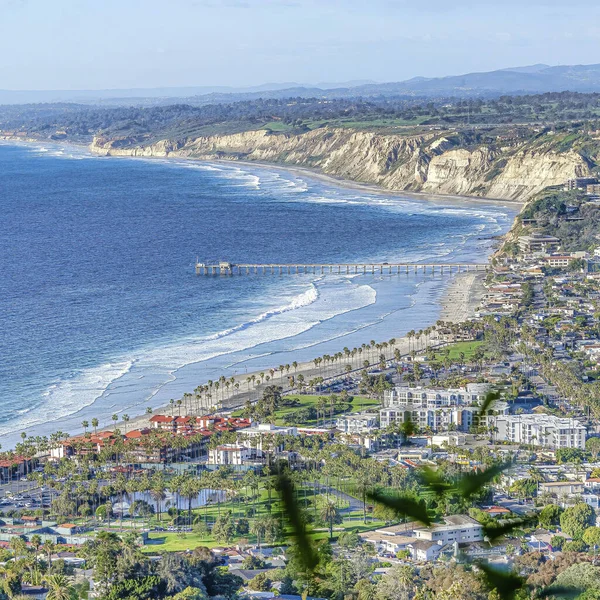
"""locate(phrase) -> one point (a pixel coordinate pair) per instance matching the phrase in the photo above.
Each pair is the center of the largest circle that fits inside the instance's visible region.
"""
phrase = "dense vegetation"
(568, 215)
(297, 114)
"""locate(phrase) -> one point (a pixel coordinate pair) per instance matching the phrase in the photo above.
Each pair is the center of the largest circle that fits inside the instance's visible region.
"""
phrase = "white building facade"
(548, 431)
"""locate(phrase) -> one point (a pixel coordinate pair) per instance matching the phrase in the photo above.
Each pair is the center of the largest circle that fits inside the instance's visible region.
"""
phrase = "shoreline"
(457, 302)
(316, 174)
(346, 183)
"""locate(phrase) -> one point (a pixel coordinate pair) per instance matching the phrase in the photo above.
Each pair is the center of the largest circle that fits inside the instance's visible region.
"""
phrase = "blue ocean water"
(100, 310)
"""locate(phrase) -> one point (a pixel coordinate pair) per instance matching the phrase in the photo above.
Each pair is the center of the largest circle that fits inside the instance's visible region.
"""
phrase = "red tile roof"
(161, 419)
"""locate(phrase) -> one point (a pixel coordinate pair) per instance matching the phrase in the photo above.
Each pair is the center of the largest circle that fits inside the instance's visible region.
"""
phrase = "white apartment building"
(264, 433)
(423, 397)
(232, 454)
(436, 408)
(462, 533)
(357, 423)
(541, 430)
(459, 418)
(439, 419)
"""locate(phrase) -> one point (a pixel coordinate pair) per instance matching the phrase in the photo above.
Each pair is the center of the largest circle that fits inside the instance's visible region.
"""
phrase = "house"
(497, 511)
(15, 467)
(579, 183)
(562, 488)
(265, 433)
(424, 551)
(162, 422)
(592, 499)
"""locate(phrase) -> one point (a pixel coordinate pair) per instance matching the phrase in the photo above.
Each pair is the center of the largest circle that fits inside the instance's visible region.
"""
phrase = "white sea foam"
(298, 314)
(63, 398)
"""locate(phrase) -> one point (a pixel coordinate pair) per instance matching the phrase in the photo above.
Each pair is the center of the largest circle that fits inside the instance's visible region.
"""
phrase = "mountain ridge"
(538, 78)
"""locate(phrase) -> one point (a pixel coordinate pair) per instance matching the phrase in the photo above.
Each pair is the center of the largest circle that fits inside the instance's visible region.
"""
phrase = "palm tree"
(85, 425)
(49, 548)
(59, 587)
(158, 492)
(95, 424)
(115, 418)
(330, 515)
(125, 419)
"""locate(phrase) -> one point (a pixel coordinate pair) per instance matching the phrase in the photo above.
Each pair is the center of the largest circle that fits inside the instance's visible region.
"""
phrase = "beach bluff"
(511, 167)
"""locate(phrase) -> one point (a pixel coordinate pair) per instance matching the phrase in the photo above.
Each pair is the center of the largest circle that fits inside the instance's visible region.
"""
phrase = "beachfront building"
(541, 430)
(438, 419)
(538, 243)
(430, 397)
(439, 409)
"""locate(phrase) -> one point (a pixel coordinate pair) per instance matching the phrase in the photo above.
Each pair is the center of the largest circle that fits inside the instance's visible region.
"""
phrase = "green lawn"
(468, 348)
(306, 401)
(163, 541)
(358, 403)
(277, 126)
(166, 541)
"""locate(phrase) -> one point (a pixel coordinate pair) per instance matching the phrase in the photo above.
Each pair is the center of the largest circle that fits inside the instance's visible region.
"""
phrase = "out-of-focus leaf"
(471, 483)
(493, 532)
(438, 485)
(505, 584)
(489, 399)
(406, 507)
(307, 554)
(407, 428)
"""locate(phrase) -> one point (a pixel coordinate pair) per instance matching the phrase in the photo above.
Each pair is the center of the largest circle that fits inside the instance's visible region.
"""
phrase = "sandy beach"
(371, 188)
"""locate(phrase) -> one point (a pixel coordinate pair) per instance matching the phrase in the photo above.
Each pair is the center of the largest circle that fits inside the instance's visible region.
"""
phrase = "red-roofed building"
(497, 511)
(162, 421)
(15, 466)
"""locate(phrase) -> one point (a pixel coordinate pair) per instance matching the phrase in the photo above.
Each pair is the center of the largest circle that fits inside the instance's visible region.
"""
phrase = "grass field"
(358, 403)
(166, 541)
(178, 542)
(306, 401)
(468, 348)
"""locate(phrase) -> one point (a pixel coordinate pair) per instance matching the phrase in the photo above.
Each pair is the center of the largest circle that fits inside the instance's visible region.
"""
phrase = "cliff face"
(429, 162)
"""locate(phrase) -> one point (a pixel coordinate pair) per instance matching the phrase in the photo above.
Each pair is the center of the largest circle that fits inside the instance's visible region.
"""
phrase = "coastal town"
(473, 443)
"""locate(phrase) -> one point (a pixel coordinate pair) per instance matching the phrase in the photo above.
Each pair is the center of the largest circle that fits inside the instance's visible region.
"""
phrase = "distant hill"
(533, 79)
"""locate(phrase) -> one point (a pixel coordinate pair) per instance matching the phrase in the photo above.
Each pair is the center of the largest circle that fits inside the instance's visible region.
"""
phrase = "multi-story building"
(425, 397)
(579, 183)
(357, 423)
(439, 419)
(538, 243)
(458, 528)
(263, 435)
(438, 409)
(233, 454)
(541, 430)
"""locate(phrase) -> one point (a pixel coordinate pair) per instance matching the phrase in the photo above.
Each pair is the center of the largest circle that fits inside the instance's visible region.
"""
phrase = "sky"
(111, 44)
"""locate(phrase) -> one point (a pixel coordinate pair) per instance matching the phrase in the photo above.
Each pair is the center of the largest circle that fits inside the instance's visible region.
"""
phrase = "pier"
(227, 268)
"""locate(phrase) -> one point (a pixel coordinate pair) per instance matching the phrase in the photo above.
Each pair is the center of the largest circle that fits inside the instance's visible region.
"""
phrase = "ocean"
(100, 309)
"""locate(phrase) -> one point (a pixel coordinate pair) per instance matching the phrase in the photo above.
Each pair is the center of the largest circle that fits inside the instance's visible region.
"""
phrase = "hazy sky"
(95, 44)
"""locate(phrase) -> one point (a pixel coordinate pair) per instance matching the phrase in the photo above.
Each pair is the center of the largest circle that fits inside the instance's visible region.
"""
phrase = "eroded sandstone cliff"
(430, 162)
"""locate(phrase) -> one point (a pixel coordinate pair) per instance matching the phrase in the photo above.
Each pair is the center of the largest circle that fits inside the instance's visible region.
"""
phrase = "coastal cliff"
(431, 162)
